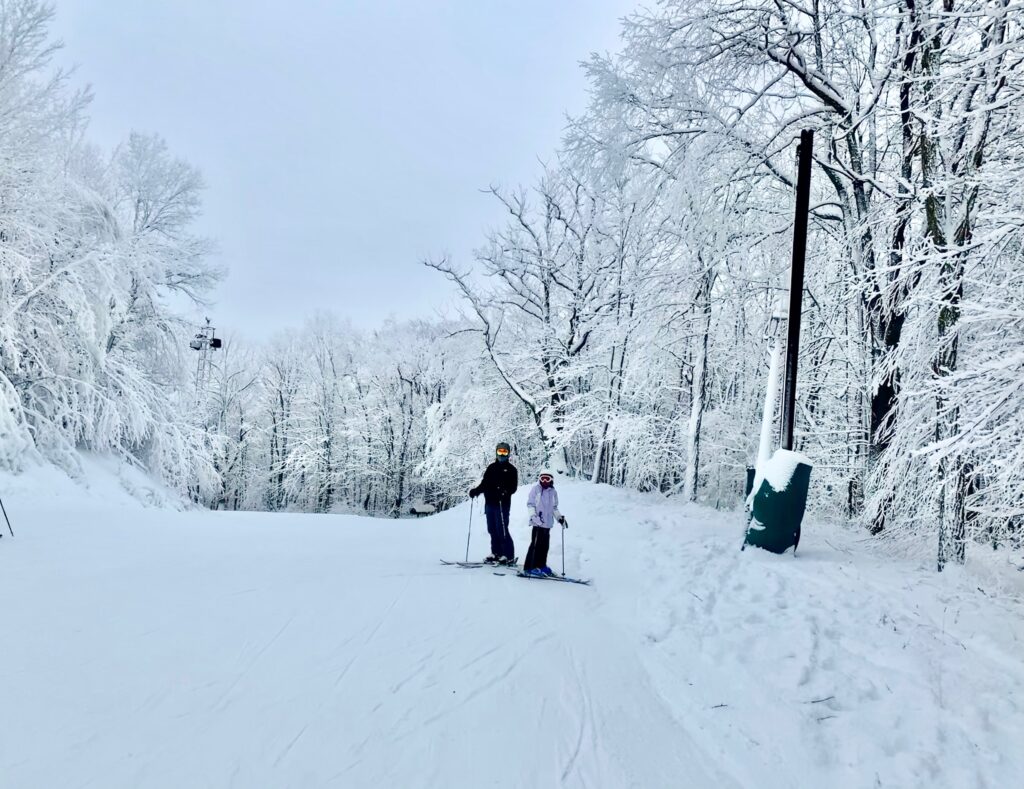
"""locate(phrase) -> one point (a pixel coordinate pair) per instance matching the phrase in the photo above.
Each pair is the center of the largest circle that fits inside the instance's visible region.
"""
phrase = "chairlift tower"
(205, 342)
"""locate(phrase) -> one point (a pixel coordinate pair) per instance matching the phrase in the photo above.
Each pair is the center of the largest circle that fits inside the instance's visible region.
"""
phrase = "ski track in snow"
(165, 649)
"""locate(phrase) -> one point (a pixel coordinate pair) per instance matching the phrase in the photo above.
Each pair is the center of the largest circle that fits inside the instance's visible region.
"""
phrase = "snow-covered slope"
(146, 647)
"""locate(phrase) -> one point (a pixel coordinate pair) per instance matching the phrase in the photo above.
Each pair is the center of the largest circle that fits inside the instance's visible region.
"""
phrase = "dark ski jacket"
(499, 483)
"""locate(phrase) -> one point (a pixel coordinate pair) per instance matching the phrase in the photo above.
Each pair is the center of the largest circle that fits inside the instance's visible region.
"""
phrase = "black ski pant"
(537, 556)
(497, 527)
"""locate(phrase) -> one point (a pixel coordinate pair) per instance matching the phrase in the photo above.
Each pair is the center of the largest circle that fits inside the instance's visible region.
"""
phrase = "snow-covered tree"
(92, 249)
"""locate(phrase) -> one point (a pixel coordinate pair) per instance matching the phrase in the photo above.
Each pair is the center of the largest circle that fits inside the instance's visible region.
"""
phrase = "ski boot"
(492, 559)
(547, 571)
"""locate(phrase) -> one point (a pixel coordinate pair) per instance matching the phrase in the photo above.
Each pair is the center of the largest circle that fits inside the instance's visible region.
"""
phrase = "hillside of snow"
(144, 646)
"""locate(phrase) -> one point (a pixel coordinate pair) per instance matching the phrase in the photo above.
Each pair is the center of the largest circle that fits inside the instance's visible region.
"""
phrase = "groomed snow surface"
(147, 647)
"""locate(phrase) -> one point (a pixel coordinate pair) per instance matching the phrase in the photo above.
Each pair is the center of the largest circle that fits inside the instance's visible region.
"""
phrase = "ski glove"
(563, 521)
(473, 493)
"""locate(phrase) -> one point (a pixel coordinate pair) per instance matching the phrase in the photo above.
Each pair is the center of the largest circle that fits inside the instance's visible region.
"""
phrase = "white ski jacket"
(543, 506)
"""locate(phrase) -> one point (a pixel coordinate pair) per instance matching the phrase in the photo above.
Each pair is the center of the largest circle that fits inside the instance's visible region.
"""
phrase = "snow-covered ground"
(149, 647)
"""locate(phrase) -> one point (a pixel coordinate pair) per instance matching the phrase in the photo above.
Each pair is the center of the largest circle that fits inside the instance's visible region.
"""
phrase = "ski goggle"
(546, 478)
(502, 452)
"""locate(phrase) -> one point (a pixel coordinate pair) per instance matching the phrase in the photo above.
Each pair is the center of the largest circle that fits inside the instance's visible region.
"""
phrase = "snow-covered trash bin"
(778, 501)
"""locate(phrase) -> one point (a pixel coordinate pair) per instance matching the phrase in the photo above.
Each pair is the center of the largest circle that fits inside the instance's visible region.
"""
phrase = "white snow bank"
(153, 648)
(106, 482)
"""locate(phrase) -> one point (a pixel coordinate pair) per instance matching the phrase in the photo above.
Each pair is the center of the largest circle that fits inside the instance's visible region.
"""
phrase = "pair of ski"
(472, 565)
(519, 573)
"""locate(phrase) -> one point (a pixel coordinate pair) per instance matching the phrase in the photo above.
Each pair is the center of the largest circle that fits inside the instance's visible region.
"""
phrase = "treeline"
(617, 325)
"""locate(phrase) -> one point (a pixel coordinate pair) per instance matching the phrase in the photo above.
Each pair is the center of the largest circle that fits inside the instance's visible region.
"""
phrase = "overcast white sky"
(342, 141)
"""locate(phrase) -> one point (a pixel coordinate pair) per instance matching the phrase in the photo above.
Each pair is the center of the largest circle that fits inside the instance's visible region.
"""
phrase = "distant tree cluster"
(617, 325)
(328, 419)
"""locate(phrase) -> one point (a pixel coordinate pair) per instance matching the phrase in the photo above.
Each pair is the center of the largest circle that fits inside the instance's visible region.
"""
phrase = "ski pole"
(470, 531)
(504, 526)
(563, 547)
(2, 507)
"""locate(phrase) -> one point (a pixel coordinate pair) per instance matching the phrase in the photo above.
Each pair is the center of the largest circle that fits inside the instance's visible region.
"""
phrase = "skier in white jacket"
(543, 507)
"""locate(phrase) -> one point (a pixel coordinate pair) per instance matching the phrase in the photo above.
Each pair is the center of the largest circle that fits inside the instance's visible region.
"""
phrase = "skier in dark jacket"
(499, 483)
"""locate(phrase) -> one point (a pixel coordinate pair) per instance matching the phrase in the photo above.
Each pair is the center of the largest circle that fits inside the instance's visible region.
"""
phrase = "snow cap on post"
(778, 502)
